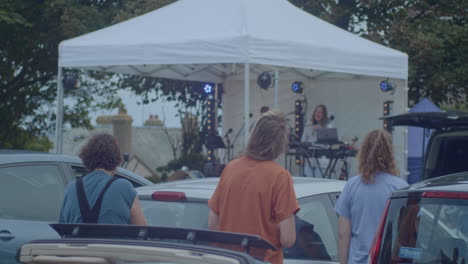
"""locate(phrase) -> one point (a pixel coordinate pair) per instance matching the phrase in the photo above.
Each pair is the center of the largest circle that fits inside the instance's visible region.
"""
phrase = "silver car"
(31, 192)
(184, 204)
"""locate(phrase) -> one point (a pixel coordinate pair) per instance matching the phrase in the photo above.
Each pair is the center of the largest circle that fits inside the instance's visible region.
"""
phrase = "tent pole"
(276, 89)
(246, 103)
(59, 118)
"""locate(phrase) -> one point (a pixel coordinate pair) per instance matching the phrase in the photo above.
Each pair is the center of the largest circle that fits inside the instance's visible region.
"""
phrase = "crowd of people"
(255, 195)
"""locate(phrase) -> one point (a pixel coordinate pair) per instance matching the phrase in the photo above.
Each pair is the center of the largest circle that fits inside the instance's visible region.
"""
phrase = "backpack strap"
(97, 205)
(90, 216)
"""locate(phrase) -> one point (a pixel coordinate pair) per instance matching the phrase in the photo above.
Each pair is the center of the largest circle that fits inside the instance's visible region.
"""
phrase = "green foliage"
(155, 179)
(25, 140)
(195, 161)
(31, 31)
(434, 34)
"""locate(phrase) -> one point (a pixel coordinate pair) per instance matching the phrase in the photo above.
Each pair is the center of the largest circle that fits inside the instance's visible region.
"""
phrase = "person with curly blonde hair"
(363, 199)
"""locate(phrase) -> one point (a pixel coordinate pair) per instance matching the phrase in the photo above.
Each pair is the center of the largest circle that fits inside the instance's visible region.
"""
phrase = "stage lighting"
(387, 107)
(208, 88)
(299, 120)
(387, 86)
(70, 80)
(296, 87)
(264, 80)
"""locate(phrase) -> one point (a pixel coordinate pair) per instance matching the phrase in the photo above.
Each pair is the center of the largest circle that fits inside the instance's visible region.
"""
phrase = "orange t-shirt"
(253, 197)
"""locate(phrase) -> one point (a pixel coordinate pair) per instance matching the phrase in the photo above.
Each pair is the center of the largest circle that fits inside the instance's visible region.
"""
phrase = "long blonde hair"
(269, 137)
(376, 155)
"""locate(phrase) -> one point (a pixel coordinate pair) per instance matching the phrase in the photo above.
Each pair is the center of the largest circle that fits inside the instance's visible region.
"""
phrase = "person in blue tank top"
(363, 199)
(98, 197)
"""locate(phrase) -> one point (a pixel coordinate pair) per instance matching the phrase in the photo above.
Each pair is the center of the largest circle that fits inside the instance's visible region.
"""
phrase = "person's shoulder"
(395, 180)
(354, 180)
(122, 184)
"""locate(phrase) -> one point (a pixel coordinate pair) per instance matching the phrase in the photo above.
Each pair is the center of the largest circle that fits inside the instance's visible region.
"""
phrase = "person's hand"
(315, 127)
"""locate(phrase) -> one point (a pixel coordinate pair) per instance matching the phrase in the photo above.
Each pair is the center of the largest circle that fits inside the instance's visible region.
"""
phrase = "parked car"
(425, 223)
(447, 148)
(185, 204)
(32, 187)
(138, 244)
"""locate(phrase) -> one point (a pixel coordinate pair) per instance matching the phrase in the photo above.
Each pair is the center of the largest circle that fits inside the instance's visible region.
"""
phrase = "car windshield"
(425, 230)
(176, 214)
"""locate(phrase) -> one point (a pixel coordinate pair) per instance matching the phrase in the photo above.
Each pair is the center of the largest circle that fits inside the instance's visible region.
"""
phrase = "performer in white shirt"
(319, 119)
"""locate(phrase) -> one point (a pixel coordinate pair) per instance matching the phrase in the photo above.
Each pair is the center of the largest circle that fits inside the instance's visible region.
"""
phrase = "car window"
(316, 234)
(31, 192)
(451, 155)
(175, 214)
(425, 230)
(334, 197)
(80, 171)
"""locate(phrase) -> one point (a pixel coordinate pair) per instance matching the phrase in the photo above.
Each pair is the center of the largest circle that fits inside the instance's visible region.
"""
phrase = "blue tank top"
(116, 203)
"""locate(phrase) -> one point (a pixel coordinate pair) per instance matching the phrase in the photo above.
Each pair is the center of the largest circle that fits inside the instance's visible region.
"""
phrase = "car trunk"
(447, 150)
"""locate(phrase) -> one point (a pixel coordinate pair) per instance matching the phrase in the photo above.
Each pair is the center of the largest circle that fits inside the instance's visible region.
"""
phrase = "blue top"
(363, 204)
(116, 202)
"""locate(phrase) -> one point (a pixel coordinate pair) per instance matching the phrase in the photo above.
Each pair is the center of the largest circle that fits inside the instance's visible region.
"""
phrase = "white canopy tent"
(220, 40)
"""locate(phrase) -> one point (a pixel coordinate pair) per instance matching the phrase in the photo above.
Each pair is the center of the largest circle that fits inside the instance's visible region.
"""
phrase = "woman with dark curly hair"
(100, 197)
(363, 199)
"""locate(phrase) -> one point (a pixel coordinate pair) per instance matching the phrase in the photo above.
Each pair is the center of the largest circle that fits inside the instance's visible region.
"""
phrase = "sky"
(140, 113)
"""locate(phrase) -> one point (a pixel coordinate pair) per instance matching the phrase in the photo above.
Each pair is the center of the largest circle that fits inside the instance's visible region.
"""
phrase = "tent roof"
(425, 105)
(201, 39)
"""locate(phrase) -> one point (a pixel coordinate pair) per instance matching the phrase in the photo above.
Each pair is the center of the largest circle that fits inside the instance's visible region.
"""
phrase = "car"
(425, 223)
(141, 244)
(183, 204)
(447, 148)
(32, 187)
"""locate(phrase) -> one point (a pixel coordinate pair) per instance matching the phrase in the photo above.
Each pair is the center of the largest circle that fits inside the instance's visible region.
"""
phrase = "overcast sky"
(140, 113)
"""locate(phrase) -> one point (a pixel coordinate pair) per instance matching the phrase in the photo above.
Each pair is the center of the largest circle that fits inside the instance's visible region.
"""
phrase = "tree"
(30, 33)
(432, 32)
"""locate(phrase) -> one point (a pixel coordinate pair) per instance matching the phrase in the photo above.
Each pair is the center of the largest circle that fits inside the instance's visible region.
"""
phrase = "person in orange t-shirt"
(255, 195)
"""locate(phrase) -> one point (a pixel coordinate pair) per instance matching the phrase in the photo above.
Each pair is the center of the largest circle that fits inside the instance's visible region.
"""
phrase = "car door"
(316, 232)
(30, 198)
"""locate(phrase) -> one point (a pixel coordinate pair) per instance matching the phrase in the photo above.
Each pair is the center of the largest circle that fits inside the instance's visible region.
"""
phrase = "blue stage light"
(296, 87)
(386, 86)
(208, 88)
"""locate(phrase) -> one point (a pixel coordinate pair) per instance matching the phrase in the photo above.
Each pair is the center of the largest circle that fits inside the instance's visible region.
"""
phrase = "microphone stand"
(303, 153)
(229, 149)
(230, 146)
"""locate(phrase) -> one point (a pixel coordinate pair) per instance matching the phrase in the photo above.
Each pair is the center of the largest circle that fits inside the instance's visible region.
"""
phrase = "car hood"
(430, 120)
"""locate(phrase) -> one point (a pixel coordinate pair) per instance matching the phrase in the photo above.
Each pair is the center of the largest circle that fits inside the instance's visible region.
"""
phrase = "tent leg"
(246, 103)
(59, 118)
(276, 89)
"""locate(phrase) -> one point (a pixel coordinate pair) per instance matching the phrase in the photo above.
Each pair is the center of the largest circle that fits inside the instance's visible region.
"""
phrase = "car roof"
(36, 157)
(204, 188)
(431, 120)
(457, 182)
(54, 158)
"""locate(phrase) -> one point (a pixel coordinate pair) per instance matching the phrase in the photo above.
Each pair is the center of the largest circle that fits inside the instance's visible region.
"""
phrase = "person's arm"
(136, 214)
(287, 232)
(344, 237)
(213, 221)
